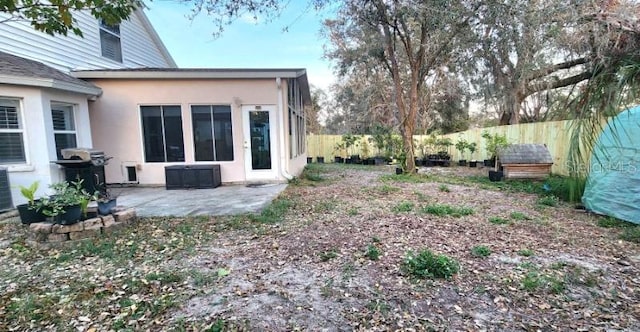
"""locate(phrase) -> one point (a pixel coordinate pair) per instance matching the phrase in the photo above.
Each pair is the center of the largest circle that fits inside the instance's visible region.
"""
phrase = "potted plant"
(472, 148)
(495, 142)
(338, 149)
(106, 202)
(380, 138)
(364, 148)
(65, 205)
(462, 145)
(349, 141)
(320, 160)
(29, 212)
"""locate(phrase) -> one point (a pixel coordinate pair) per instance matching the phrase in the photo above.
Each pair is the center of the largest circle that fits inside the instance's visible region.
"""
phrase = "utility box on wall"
(192, 176)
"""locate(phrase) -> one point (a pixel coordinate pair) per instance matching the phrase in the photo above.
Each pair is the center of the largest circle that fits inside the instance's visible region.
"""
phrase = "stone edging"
(46, 234)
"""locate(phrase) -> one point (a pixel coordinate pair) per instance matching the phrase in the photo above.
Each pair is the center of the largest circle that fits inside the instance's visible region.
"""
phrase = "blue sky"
(245, 43)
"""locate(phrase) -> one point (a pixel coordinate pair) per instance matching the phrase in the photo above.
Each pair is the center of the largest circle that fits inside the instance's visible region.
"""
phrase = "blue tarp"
(613, 184)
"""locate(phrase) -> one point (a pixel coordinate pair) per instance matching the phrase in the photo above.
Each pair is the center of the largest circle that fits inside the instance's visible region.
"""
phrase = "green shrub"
(447, 210)
(525, 252)
(444, 188)
(548, 201)
(631, 234)
(426, 264)
(387, 189)
(519, 216)
(480, 251)
(273, 213)
(611, 222)
(328, 255)
(498, 221)
(372, 252)
(403, 207)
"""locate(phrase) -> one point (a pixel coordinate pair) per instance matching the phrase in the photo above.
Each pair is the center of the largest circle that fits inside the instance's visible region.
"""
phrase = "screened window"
(11, 133)
(297, 130)
(212, 132)
(162, 131)
(64, 128)
(110, 41)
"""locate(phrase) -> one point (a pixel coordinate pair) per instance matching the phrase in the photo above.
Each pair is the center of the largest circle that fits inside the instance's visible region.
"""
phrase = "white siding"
(76, 53)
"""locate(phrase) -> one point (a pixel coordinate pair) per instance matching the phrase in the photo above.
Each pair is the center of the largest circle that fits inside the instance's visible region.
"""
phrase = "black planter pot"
(355, 159)
(430, 163)
(104, 208)
(473, 163)
(338, 159)
(71, 215)
(462, 162)
(399, 171)
(489, 163)
(495, 176)
(28, 216)
(320, 160)
(378, 161)
(309, 160)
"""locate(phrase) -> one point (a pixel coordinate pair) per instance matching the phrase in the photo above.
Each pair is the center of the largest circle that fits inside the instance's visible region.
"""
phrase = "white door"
(260, 154)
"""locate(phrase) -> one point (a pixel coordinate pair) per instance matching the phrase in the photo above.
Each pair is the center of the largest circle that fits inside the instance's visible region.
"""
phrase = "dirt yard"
(329, 255)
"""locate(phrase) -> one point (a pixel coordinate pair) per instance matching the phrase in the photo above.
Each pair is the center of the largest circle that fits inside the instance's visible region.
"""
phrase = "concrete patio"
(224, 200)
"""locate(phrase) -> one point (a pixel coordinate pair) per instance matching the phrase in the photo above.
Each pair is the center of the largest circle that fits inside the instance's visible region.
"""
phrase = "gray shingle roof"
(525, 154)
(12, 66)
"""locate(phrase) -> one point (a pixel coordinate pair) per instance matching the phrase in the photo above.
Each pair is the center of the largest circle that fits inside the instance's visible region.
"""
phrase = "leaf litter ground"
(304, 265)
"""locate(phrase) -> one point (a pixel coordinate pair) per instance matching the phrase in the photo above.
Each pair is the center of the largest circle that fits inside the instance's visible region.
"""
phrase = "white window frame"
(21, 129)
(105, 27)
(55, 104)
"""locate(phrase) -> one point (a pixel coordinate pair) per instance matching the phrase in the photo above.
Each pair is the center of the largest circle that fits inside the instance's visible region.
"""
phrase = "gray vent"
(5, 190)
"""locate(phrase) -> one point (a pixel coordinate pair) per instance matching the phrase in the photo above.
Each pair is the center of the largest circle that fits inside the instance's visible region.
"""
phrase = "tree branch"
(541, 86)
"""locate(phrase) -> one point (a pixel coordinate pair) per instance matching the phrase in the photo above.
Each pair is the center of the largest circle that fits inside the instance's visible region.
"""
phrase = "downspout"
(283, 147)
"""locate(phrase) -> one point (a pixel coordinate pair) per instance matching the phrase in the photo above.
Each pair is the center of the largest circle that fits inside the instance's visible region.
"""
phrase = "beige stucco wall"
(116, 125)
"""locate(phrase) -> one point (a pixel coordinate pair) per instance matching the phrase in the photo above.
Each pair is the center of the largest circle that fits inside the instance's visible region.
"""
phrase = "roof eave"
(50, 83)
(304, 87)
(184, 74)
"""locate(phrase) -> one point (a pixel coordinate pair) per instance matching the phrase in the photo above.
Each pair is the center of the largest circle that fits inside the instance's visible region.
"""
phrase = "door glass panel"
(260, 140)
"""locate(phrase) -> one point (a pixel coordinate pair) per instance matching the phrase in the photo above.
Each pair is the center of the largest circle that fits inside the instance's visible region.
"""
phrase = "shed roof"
(525, 154)
(20, 71)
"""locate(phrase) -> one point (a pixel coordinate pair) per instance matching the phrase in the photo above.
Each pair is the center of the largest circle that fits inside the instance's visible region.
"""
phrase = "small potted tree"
(462, 145)
(351, 141)
(338, 149)
(29, 212)
(472, 148)
(494, 143)
(380, 135)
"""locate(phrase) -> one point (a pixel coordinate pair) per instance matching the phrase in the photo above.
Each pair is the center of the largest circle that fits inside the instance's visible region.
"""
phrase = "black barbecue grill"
(84, 164)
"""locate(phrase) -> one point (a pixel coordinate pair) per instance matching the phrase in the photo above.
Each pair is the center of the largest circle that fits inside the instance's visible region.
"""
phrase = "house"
(44, 109)
(118, 90)
(248, 121)
(525, 161)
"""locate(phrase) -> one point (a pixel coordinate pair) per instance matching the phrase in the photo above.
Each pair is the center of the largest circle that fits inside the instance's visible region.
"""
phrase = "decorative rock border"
(44, 233)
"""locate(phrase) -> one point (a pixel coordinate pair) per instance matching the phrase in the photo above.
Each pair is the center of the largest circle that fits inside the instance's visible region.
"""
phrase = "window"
(110, 41)
(11, 133)
(162, 131)
(212, 133)
(297, 130)
(64, 128)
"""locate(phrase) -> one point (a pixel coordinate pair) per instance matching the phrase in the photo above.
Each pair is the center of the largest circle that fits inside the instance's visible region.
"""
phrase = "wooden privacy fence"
(556, 135)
